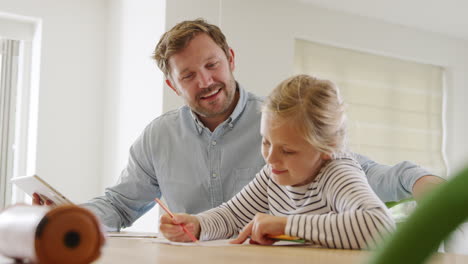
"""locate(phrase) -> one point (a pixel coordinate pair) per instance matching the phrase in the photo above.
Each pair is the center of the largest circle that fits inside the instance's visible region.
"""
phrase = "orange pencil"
(194, 239)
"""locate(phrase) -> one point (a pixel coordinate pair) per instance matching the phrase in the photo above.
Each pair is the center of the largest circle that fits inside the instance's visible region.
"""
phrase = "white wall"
(70, 91)
(134, 85)
(262, 34)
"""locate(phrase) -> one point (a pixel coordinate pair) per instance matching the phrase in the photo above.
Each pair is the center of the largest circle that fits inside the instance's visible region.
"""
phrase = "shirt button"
(214, 175)
(213, 143)
(231, 125)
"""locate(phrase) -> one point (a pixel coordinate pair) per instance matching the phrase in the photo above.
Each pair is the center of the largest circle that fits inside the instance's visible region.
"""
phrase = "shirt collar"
(240, 104)
(198, 124)
(230, 121)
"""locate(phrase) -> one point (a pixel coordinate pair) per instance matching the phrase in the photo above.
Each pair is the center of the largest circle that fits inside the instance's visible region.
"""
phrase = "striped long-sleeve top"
(337, 210)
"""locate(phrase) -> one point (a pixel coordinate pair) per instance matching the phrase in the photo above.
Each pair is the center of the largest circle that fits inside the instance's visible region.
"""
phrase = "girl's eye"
(288, 152)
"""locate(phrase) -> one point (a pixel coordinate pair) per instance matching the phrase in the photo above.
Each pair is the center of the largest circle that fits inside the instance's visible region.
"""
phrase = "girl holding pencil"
(310, 187)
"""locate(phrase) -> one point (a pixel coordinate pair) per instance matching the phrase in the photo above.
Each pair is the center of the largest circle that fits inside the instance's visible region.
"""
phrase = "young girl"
(309, 188)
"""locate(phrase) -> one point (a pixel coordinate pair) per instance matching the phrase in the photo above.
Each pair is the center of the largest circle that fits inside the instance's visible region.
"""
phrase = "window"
(9, 52)
(394, 106)
(19, 61)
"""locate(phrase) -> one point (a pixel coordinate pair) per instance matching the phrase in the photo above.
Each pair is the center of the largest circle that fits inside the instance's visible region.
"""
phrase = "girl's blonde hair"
(315, 106)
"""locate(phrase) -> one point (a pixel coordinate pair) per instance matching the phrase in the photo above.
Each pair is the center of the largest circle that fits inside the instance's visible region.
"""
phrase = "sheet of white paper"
(217, 243)
(212, 243)
(133, 234)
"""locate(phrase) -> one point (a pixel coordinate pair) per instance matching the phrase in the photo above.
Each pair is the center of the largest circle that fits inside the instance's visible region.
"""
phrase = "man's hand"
(260, 228)
(172, 229)
(425, 184)
(39, 199)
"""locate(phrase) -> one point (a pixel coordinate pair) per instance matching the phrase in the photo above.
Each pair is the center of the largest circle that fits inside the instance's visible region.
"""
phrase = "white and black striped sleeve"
(358, 218)
(227, 219)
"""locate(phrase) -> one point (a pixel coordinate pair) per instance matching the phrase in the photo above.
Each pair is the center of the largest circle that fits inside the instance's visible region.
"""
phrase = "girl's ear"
(325, 156)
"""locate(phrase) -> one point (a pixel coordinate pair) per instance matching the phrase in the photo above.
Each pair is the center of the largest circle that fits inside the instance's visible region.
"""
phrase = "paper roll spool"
(65, 234)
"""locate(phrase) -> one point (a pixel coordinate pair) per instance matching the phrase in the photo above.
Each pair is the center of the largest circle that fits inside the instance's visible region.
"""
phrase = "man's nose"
(205, 79)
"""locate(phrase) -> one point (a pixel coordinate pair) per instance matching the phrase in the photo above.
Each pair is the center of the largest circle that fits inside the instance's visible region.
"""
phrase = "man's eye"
(188, 76)
(212, 65)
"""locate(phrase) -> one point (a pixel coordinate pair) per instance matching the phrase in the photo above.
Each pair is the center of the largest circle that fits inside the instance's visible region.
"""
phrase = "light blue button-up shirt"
(196, 169)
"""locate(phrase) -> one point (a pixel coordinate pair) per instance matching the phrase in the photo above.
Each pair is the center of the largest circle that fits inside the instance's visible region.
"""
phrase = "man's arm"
(398, 182)
(425, 184)
(134, 195)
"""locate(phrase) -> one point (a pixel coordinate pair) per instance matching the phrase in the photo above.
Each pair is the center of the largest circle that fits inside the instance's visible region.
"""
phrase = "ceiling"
(448, 17)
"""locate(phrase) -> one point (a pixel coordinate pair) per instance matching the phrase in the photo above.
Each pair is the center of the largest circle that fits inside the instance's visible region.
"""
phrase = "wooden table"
(128, 250)
(140, 250)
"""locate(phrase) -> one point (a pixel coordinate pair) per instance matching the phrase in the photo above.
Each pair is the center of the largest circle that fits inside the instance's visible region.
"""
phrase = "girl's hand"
(172, 229)
(262, 226)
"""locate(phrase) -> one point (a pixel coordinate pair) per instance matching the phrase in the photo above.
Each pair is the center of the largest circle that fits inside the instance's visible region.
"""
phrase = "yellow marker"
(288, 238)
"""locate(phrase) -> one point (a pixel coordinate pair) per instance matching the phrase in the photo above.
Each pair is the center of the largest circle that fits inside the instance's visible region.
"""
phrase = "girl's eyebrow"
(285, 145)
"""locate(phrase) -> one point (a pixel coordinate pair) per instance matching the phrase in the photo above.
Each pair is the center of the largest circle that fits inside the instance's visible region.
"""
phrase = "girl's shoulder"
(343, 165)
(345, 159)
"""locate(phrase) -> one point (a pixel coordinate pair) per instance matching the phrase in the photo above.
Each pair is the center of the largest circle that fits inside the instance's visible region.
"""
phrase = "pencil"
(194, 239)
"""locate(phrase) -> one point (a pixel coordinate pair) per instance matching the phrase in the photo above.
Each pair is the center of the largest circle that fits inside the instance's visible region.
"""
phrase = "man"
(202, 154)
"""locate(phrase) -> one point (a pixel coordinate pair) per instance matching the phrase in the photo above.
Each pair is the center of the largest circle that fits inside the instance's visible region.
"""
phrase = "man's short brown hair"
(177, 38)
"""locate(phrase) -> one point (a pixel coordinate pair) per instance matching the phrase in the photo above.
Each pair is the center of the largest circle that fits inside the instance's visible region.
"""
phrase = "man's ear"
(232, 63)
(169, 83)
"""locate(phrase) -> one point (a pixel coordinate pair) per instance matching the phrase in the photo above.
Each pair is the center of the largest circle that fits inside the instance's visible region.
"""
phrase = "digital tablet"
(34, 184)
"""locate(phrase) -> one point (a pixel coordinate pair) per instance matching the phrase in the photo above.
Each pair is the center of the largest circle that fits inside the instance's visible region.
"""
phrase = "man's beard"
(230, 93)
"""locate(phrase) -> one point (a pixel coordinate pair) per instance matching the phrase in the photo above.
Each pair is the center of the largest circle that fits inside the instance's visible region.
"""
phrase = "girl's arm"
(227, 219)
(358, 219)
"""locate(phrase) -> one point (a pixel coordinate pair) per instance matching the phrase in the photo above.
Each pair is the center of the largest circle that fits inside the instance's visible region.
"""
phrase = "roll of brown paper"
(64, 234)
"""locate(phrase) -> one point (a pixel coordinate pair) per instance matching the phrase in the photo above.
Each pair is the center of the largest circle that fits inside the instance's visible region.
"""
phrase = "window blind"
(394, 106)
